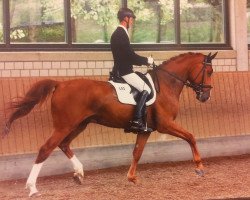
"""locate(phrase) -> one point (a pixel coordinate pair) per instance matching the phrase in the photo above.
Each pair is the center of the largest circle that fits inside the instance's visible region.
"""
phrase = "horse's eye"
(210, 73)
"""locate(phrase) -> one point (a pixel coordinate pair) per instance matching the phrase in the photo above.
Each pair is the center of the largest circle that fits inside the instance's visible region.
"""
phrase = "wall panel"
(226, 114)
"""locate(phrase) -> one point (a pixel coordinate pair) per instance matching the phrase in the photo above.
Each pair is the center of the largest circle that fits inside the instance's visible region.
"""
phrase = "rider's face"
(131, 21)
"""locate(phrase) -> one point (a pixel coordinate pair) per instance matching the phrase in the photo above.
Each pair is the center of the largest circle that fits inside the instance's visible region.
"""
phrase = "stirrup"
(138, 127)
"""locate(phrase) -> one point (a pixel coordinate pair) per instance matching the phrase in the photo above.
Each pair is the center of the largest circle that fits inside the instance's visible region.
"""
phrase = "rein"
(197, 87)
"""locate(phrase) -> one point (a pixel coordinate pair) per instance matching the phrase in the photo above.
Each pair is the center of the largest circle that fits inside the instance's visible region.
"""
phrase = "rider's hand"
(150, 60)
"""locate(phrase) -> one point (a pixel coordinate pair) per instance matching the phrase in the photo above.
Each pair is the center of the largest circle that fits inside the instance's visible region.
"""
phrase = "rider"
(124, 59)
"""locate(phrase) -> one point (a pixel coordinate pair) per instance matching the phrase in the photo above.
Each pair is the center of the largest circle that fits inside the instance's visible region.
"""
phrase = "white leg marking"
(31, 182)
(77, 165)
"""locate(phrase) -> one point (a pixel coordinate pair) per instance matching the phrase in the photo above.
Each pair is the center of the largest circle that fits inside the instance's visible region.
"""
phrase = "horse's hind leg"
(141, 140)
(64, 146)
(77, 165)
(43, 154)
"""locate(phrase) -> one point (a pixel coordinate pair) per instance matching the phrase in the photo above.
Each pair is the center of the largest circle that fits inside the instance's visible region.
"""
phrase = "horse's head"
(200, 77)
(191, 69)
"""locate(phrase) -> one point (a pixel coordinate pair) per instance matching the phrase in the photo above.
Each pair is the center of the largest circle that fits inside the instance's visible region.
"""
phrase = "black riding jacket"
(123, 54)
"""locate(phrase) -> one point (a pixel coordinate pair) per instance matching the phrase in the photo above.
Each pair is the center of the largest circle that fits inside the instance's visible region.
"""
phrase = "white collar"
(124, 29)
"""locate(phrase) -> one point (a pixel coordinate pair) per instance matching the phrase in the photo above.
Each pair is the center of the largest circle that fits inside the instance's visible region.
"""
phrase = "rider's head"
(125, 15)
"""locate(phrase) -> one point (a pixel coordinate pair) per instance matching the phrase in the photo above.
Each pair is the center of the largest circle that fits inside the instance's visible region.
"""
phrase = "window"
(1, 21)
(248, 21)
(33, 21)
(202, 22)
(93, 21)
(185, 22)
(88, 24)
(154, 22)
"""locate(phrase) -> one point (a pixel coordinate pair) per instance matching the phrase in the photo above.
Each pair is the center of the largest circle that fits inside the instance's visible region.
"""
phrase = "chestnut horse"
(75, 103)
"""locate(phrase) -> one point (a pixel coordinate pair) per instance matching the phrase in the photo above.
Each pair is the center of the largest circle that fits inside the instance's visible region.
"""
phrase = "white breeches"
(134, 80)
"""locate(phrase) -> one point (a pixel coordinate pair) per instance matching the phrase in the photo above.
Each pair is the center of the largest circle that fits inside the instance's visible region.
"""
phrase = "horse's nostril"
(203, 97)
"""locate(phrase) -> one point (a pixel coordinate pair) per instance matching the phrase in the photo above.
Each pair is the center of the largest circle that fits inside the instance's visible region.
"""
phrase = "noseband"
(197, 87)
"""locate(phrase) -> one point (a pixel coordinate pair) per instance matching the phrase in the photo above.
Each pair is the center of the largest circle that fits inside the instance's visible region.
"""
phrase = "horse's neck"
(174, 76)
(181, 71)
(167, 83)
(172, 83)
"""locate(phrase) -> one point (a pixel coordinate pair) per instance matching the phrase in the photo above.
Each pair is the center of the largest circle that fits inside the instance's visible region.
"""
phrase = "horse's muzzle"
(203, 96)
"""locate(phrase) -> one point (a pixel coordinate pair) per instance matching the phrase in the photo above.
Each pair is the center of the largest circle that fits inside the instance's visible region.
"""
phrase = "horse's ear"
(210, 58)
(213, 56)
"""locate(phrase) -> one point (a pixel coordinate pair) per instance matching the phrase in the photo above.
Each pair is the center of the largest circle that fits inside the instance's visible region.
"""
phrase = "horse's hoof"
(33, 191)
(78, 178)
(199, 172)
(35, 194)
(133, 179)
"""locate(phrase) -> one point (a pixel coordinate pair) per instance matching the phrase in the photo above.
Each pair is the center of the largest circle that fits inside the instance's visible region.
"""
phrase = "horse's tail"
(37, 94)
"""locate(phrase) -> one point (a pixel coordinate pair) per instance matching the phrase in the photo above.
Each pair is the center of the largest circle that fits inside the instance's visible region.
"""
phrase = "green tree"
(153, 16)
(166, 15)
(142, 12)
(207, 14)
(101, 11)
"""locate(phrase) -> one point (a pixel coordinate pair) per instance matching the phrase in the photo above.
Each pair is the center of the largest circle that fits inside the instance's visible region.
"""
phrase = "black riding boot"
(138, 125)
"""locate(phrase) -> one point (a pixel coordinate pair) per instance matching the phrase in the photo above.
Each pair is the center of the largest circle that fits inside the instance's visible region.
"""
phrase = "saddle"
(128, 94)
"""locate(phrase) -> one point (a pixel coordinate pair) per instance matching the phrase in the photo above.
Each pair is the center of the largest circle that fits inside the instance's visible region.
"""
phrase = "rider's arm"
(132, 57)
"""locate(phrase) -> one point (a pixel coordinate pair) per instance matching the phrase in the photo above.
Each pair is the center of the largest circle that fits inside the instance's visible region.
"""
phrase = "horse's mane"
(180, 56)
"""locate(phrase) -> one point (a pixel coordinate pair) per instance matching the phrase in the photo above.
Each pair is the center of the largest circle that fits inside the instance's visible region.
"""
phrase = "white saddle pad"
(125, 96)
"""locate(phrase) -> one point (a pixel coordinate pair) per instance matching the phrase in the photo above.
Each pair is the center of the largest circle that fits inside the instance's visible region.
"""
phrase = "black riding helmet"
(125, 12)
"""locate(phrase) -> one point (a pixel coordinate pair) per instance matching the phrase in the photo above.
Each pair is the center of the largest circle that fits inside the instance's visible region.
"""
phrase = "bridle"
(197, 87)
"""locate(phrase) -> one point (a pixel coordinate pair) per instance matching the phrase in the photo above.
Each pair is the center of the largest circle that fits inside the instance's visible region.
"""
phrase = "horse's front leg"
(141, 140)
(173, 129)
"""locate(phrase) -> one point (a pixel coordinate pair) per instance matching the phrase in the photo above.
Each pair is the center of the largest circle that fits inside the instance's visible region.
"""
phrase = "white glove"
(150, 60)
